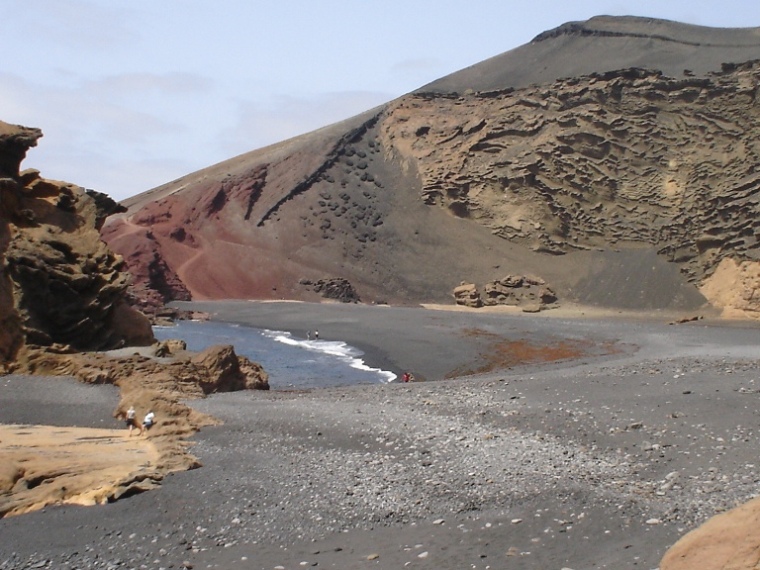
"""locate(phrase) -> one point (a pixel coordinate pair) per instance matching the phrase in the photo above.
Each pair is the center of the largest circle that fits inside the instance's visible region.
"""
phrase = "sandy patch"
(45, 465)
(735, 287)
(566, 311)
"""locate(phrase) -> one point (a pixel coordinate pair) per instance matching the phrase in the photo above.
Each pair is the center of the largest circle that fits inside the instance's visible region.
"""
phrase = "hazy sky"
(134, 93)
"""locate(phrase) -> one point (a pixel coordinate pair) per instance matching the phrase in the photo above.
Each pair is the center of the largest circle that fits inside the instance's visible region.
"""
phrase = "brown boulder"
(169, 347)
(336, 288)
(227, 372)
(467, 295)
(530, 293)
(728, 540)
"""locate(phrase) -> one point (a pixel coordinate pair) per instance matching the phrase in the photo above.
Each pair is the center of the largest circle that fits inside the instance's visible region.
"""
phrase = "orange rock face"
(60, 284)
(729, 540)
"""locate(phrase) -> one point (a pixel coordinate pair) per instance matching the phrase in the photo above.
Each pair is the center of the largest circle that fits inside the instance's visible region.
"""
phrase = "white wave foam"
(336, 348)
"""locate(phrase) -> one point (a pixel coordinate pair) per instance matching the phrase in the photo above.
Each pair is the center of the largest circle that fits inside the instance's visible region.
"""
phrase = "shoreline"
(408, 339)
(551, 465)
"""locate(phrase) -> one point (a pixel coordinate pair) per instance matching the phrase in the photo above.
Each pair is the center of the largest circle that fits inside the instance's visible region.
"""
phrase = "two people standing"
(131, 421)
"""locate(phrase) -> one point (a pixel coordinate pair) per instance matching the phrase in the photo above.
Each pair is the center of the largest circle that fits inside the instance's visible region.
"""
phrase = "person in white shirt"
(131, 420)
(150, 419)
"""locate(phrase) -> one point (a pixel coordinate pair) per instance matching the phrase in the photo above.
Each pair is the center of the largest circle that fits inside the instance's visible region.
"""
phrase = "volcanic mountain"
(614, 160)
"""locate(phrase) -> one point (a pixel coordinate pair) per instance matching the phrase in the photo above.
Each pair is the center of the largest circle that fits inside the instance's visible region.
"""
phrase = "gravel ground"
(60, 401)
(602, 463)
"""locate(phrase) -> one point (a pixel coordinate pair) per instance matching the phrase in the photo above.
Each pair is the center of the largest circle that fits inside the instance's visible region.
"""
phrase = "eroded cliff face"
(59, 284)
(63, 295)
(624, 188)
(628, 157)
(554, 174)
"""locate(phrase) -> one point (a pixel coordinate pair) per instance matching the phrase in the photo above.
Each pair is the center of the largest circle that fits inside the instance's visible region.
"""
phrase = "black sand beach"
(599, 462)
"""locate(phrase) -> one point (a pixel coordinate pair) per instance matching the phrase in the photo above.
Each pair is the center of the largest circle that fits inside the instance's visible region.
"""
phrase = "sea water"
(291, 362)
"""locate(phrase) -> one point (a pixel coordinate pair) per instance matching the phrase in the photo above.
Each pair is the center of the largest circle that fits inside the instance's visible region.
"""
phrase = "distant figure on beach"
(131, 420)
(316, 335)
(150, 419)
(308, 335)
(405, 377)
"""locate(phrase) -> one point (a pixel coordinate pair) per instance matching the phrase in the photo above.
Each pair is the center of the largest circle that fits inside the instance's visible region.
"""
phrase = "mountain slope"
(603, 44)
(627, 187)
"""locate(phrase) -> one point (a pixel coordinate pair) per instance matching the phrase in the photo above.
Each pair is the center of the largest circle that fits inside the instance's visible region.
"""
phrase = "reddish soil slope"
(624, 185)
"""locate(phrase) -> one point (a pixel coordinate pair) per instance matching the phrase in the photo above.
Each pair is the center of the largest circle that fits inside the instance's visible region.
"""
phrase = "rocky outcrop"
(157, 379)
(564, 167)
(165, 368)
(467, 295)
(229, 372)
(531, 294)
(728, 540)
(63, 296)
(337, 289)
(59, 284)
(736, 287)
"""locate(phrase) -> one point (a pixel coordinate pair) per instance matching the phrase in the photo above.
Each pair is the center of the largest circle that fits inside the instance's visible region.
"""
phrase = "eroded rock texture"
(60, 284)
(336, 289)
(584, 163)
(531, 294)
(621, 170)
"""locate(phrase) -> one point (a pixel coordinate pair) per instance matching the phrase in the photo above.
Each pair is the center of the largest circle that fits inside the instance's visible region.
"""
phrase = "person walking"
(131, 420)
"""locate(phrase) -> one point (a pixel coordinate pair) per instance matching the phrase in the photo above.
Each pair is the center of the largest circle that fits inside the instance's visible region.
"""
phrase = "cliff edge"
(59, 283)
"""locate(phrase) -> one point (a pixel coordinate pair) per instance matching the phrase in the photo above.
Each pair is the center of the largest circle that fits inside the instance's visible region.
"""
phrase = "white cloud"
(77, 24)
(94, 141)
(287, 116)
(168, 83)
(118, 176)
(417, 65)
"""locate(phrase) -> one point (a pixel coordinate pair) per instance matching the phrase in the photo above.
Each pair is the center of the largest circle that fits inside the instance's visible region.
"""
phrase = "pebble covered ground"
(596, 464)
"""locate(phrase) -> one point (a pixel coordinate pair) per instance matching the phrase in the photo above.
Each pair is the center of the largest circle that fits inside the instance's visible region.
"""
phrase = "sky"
(131, 94)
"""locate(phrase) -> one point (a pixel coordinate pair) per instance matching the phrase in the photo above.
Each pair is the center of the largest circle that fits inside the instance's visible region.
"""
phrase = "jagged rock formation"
(59, 283)
(622, 170)
(187, 375)
(467, 295)
(63, 293)
(337, 289)
(531, 294)
(590, 162)
(152, 378)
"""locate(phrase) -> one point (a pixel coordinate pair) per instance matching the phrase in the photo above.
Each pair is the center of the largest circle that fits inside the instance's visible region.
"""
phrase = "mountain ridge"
(485, 173)
(569, 50)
